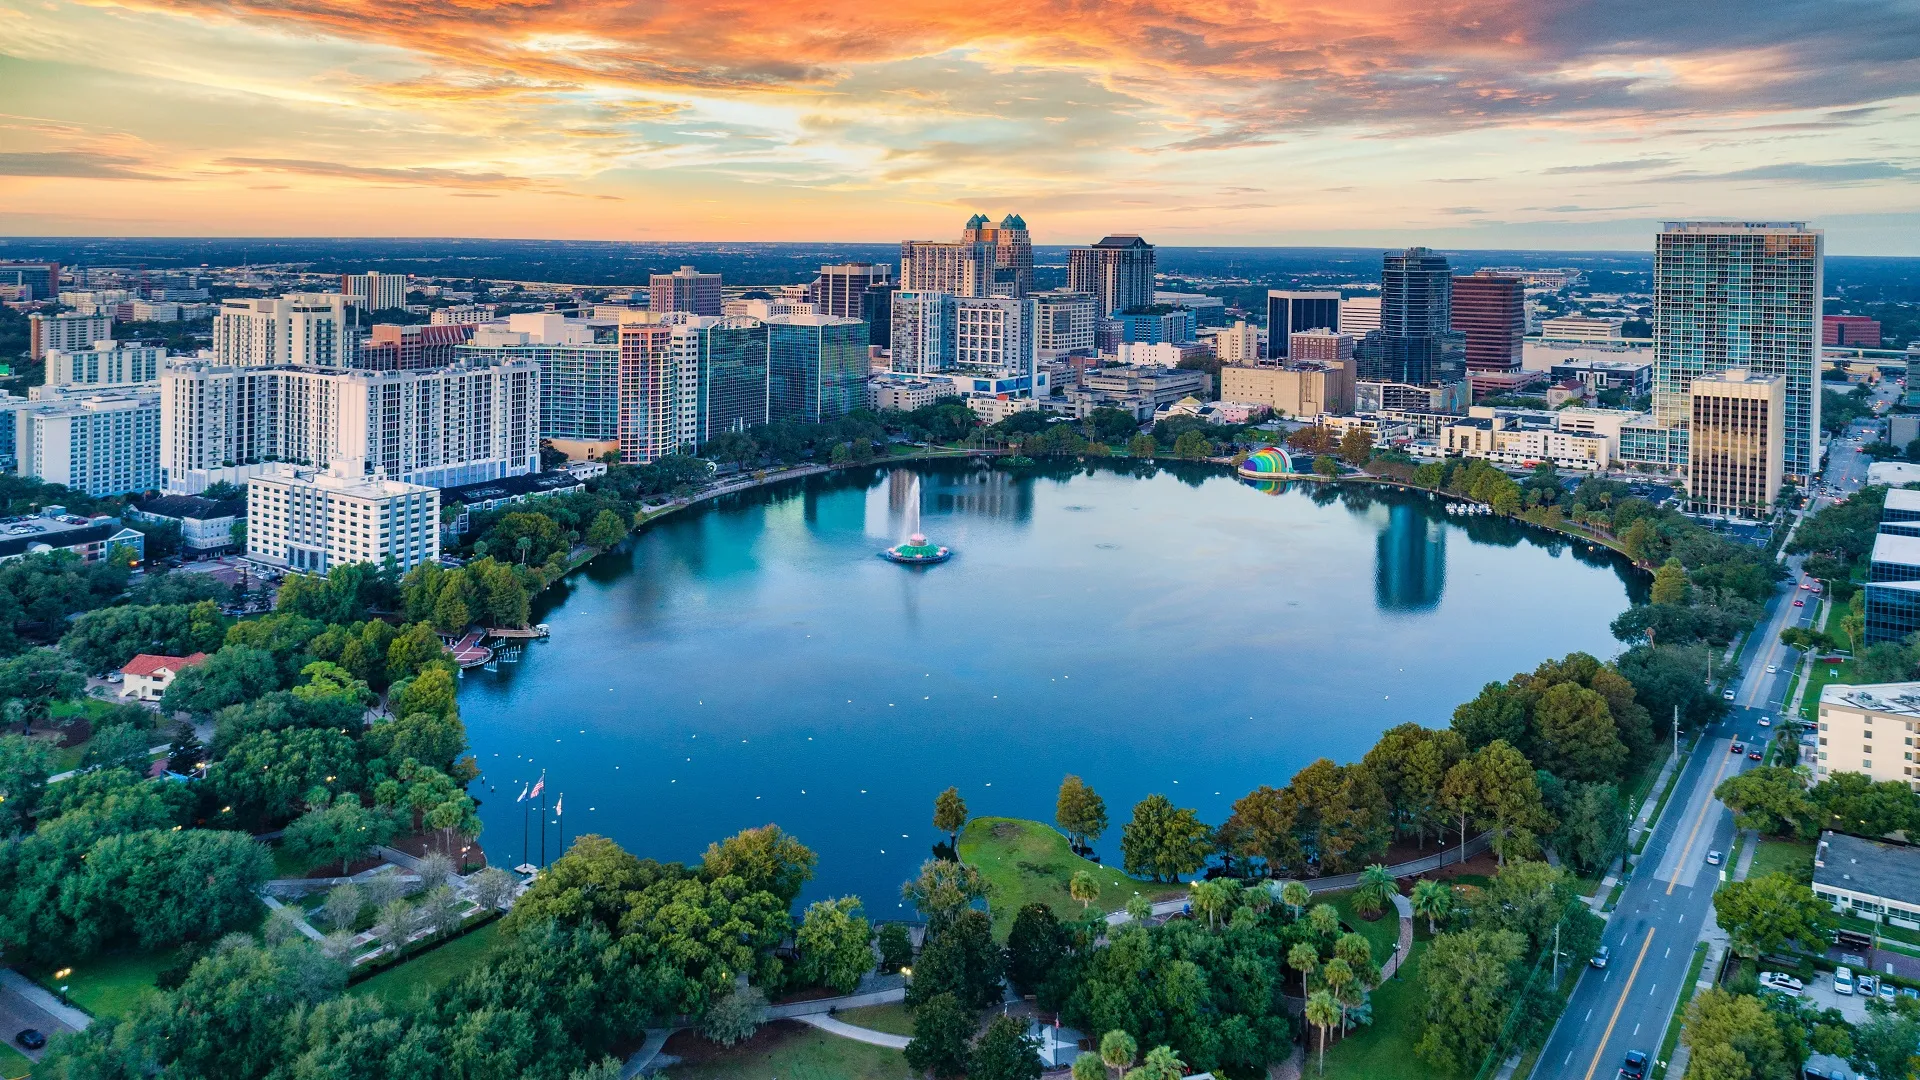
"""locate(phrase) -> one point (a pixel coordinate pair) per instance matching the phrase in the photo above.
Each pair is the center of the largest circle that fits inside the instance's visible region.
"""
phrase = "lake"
(1160, 630)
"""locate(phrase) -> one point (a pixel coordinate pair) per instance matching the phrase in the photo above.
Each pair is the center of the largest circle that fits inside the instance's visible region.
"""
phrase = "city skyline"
(1572, 128)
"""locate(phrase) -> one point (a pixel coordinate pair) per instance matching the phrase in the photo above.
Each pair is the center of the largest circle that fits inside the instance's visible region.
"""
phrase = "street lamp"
(61, 978)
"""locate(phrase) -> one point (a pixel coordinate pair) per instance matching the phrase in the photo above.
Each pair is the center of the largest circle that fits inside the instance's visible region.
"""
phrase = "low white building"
(206, 525)
(310, 520)
(1869, 880)
(147, 676)
(901, 393)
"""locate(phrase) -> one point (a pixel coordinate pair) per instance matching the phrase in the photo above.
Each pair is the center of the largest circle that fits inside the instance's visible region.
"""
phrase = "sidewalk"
(858, 1034)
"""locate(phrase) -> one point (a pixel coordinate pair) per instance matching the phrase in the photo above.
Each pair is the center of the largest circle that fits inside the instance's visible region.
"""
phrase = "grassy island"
(1029, 861)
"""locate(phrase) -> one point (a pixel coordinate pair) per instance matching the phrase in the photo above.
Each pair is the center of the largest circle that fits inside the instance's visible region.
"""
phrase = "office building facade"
(816, 367)
(988, 260)
(1491, 310)
(686, 289)
(1290, 312)
(1063, 324)
(1416, 354)
(30, 280)
(1731, 294)
(1850, 331)
(1734, 456)
(65, 331)
(312, 520)
(729, 359)
(1118, 272)
(375, 291)
(1359, 314)
(841, 290)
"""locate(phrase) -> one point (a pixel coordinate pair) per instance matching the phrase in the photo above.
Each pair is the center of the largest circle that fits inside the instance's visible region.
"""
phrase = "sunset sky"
(1467, 123)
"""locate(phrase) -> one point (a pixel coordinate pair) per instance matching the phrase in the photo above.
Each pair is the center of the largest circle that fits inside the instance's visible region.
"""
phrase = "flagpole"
(543, 827)
(561, 851)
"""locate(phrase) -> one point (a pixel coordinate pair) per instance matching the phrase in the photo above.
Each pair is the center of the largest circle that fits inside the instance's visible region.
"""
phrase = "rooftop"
(1903, 499)
(361, 487)
(148, 663)
(197, 507)
(1897, 550)
(508, 486)
(1895, 698)
(1866, 866)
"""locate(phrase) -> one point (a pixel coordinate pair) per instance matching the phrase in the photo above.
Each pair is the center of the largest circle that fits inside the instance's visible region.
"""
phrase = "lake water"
(1177, 631)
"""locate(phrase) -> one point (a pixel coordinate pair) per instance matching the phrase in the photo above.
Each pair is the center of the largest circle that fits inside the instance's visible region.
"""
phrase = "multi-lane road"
(1651, 934)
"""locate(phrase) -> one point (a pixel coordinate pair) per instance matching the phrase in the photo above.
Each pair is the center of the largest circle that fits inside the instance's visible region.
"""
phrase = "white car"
(1766, 721)
(1773, 669)
(1713, 858)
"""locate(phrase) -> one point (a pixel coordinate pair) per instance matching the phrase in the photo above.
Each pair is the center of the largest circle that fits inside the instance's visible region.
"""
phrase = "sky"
(1570, 124)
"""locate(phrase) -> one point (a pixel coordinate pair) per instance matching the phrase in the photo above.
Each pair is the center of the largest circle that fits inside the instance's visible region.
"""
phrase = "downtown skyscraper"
(1739, 294)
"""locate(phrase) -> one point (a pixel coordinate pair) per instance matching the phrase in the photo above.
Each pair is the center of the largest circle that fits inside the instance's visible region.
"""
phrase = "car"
(31, 1039)
(1737, 748)
(1799, 603)
(1886, 990)
(1843, 981)
(1753, 755)
(1600, 957)
(1781, 983)
(1867, 985)
(1635, 1067)
(1727, 694)
(1766, 721)
(1909, 992)
(1713, 858)
(1773, 669)
(1806, 585)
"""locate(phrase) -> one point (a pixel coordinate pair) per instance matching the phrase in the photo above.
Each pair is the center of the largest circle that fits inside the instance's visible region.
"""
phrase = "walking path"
(13, 982)
(858, 1034)
(1404, 945)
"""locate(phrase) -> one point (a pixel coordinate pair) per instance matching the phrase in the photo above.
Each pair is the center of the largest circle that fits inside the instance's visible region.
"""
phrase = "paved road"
(1653, 930)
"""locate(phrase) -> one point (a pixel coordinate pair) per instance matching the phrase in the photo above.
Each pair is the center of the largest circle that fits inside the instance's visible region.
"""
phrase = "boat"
(917, 552)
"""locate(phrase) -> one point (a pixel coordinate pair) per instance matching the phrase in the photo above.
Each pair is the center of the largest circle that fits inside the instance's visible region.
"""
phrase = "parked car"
(1843, 981)
(31, 1039)
(1713, 858)
(1635, 1067)
(1867, 985)
(1886, 991)
(1781, 982)
(1727, 694)
(1601, 956)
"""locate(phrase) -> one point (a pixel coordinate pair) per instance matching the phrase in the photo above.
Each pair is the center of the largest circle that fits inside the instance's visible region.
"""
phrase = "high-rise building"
(65, 331)
(989, 260)
(312, 520)
(1237, 344)
(657, 394)
(816, 367)
(877, 312)
(686, 289)
(1491, 310)
(1734, 455)
(105, 363)
(728, 358)
(579, 362)
(412, 347)
(1290, 312)
(309, 329)
(1737, 294)
(992, 335)
(1158, 324)
(922, 332)
(1320, 345)
(1012, 273)
(1359, 314)
(1413, 361)
(841, 289)
(100, 440)
(28, 280)
(1117, 272)
(375, 291)
(1063, 324)
(445, 427)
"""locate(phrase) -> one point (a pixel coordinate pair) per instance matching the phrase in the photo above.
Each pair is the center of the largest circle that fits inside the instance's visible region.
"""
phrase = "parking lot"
(1820, 993)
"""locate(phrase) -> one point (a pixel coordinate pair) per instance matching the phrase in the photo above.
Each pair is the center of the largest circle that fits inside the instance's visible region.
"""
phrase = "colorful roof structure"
(1269, 462)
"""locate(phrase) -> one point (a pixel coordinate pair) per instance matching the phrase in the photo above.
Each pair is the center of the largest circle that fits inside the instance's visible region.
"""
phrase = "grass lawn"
(1027, 861)
(13, 1063)
(892, 1018)
(110, 985)
(1818, 678)
(1793, 857)
(1383, 1049)
(1381, 933)
(789, 1050)
(429, 971)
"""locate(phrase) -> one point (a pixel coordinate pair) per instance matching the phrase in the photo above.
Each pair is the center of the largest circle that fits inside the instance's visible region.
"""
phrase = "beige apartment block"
(1869, 730)
(1736, 455)
(1297, 389)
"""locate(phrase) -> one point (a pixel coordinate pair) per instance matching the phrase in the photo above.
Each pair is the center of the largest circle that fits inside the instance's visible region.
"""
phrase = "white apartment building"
(1580, 328)
(308, 329)
(311, 520)
(1584, 439)
(462, 315)
(990, 334)
(1853, 719)
(103, 441)
(65, 331)
(95, 302)
(375, 291)
(1359, 314)
(1063, 325)
(659, 387)
(1237, 344)
(105, 363)
(922, 332)
(442, 427)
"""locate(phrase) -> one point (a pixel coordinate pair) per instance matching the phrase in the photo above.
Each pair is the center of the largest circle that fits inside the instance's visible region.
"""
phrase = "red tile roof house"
(148, 676)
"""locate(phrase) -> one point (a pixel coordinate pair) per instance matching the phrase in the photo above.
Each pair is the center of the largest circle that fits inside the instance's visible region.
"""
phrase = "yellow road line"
(1681, 862)
(1618, 1005)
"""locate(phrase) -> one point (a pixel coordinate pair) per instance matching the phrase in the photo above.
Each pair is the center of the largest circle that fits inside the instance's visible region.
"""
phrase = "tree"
(1593, 826)
(338, 832)
(1469, 977)
(764, 858)
(1498, 713)
(1163, 842)
(1852, 803)
(1161, 1063)
(1733, 1036)
(734, 1016)
(1084, 887)
(1762, 914)
(962, 959)
(330, 680)
(1192, 446)
(1374, 891)
(1211, 899)
(37, 678)
(25, 765)
(836, 945)
(1670, 583)
(1356, 446)
(1296, 896)
(1089, 1067)
(1888, 1043)
(1035, 946)
(1117, 1051)
(342, 906)
(896, 947)
(1322, 1012)
(106, 639)
(1496, 787)
(1080, 812)
(950, 815)
(1770, 799)
(1004, 1052)
(1574, 734)
(1142, 446)
(231, 676)
(941, 1028)
(1304, 958)
(265, 777)
(944, 889)
(606, 531)
(1326, 466)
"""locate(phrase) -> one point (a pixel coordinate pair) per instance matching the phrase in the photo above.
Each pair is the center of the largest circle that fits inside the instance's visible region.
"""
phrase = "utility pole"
(1556, 951)
(1676, 733)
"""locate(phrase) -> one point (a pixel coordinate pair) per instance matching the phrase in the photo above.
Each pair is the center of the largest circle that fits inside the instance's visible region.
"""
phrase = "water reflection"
(1410, 561)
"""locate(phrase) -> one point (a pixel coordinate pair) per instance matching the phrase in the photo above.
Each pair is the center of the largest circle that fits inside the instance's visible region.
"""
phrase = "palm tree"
(523, 545)
(1323, 1012)
(1084, 888)
(1161, 1064)
(1357, 951)
(1324, 920)
(1432, 899)
(1210, 898)
(1117, 1049)
(1350, 997)
(1304, 959)
(1376, 887)
(1296, 896)
(1257, 896)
